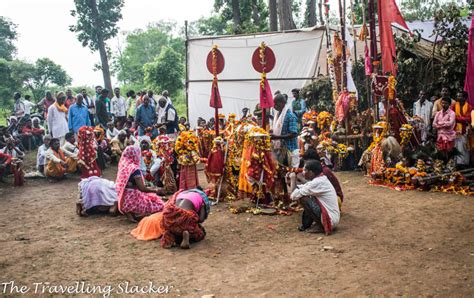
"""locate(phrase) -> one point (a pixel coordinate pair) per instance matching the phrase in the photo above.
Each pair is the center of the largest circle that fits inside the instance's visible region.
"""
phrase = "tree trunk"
(286, 17)
(311, 7)
(272, 4)
(320, 10)
(102, 51)
(236, 16)
(255, 14)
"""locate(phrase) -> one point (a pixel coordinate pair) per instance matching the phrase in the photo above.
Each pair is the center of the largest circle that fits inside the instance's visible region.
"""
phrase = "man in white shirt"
(57, 119)
(28, 105)
(166, 95)
(423, 108)
(318, 198)
(41, 156)
(90, 104)
(69, 148)
(119, 108)
(167, 117)
(19, 108)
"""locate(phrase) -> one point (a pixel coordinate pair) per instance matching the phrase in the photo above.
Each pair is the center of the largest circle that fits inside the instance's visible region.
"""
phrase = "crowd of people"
(82, 135)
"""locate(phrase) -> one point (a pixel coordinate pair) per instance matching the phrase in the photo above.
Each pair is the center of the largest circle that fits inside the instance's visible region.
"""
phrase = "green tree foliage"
(165, 72)
(453, 46)
(13, 74)
(419, 10)
(253, 16)
(142, 47)
(8, 35)
(213, 25)
(96, 23)
(44, 74)
(432, 73)
(319, 94)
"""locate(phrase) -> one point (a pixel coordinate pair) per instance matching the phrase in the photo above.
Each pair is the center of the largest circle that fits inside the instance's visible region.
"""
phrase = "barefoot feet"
(185, 242)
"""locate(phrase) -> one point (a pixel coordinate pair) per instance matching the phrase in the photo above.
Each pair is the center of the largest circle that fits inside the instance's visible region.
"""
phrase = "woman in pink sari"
(134, 198)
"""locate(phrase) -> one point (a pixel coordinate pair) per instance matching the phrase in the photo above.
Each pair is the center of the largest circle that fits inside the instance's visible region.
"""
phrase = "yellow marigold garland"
(187, 149)
(391, 88)
(406, 132)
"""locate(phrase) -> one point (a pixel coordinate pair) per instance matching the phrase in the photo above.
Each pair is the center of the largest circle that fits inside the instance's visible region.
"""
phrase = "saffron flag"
(388, 14)
(266, 98)
(469, 80)
(215, 96)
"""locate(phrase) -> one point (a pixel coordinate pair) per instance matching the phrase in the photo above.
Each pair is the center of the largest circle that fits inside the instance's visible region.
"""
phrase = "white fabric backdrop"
(296, 53)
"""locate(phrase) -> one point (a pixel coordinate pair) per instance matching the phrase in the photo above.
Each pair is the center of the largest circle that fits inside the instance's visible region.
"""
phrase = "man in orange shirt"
(463, 118)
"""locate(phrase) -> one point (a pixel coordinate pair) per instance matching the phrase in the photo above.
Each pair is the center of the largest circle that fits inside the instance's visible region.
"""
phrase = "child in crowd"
(41, 156)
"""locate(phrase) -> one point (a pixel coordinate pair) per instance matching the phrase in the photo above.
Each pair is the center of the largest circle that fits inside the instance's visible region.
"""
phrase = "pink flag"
(266, 98)
(469, 80)
(368, 65)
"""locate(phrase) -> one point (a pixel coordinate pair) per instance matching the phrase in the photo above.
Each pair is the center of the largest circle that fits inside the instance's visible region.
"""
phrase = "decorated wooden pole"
(263, 61)
(215, 64)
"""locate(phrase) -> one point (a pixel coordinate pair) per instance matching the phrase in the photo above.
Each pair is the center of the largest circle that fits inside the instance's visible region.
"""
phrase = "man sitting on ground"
(41, 156)
(57, 164)
(16, 162)
(118, 144)
(69, 148)
(318, 198)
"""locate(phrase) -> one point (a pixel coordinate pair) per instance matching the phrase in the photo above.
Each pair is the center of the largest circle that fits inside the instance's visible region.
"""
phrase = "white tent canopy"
(297, 54)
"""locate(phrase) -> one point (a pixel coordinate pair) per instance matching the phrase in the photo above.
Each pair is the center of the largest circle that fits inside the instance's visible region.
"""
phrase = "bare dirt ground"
(388, 243)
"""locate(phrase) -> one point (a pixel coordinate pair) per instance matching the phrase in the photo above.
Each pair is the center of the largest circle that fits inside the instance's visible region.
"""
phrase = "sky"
(43, 27)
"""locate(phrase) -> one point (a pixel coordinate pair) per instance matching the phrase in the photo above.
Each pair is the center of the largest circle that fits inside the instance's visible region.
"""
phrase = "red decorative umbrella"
(263, 61)
(215, 64)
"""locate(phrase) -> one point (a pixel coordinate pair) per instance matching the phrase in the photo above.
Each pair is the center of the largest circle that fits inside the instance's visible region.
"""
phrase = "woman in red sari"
(134, 198)
(87, 157)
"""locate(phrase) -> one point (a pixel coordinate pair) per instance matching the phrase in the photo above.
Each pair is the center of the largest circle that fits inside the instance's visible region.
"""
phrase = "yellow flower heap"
(324, 120)
(405, 133)
(187, 149)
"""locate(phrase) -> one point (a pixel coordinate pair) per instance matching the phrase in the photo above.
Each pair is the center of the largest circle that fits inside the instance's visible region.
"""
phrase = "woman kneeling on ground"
(135, 200)
(96, 195)
(182, 218)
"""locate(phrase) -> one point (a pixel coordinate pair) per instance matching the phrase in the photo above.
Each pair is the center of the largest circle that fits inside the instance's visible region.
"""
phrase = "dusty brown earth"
(388, 243)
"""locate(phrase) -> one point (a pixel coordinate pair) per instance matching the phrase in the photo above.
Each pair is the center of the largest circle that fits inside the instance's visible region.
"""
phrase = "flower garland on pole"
(263, 61)
(215, 65)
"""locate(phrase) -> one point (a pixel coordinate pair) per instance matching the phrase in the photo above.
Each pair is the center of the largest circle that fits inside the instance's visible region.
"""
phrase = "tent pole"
(216, 113)
(186, 86)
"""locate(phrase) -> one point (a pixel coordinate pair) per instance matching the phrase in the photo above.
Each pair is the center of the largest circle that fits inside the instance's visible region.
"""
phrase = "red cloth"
(215, 96)
(325, 218)
(388, 13)
(215, 165)
(176, 220)
(396, 119)
(87, 152)
(334, 181)
(266, 97)
(188, 177)
(469, 80)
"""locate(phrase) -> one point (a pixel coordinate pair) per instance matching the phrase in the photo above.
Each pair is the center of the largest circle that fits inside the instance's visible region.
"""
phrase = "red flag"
(266, 98)
(215, 96)
(388, 14)
(469, 80)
